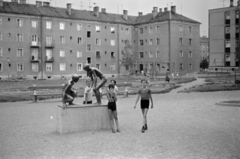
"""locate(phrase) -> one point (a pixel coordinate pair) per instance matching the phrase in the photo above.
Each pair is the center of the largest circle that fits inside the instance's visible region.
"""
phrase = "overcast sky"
(194, 9)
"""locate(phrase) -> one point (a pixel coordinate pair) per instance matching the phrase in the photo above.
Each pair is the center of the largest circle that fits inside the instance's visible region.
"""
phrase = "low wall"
(79, 118)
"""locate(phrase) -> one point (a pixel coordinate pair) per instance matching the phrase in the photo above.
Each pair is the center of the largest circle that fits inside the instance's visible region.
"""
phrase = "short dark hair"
(88, 80)
(114, 81)
(144, 80)
(111, 86)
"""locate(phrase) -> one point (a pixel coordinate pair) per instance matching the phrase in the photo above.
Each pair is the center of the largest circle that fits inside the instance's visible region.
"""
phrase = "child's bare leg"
(111, 120)
(116, 120)
(145, 116)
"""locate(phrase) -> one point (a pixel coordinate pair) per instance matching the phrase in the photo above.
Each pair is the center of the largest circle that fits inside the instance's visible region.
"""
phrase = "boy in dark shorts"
(145, 94)
(112, 108)
(95, 73)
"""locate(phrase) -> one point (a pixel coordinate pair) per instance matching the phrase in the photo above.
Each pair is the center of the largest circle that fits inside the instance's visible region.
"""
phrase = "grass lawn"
(216, 83)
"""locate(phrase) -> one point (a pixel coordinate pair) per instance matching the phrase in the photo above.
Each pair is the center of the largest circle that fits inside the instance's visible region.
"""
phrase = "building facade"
(224, 36)
(45, 42)
(204, 42)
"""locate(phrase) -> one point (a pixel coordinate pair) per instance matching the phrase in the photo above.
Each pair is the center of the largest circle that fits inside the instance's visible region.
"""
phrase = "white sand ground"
(181, 126)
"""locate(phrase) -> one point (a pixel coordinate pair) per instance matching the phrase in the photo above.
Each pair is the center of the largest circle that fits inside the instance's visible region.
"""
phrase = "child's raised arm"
(115, 96)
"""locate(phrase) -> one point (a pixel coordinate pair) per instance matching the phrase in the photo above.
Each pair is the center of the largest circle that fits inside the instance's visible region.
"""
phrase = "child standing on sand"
(145, 94)
(112, 108)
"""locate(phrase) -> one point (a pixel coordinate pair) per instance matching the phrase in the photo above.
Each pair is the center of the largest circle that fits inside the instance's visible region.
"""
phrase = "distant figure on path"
(68, 94)
(145, 94)
(93, 73)
(167, 78)
(112, 108)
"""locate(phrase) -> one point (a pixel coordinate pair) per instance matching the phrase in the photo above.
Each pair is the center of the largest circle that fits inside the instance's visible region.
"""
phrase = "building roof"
(47, 11)
(163, 16)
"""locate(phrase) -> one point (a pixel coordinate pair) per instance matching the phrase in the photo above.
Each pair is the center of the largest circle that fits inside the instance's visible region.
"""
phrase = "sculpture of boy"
(93, 73)
(68, 94)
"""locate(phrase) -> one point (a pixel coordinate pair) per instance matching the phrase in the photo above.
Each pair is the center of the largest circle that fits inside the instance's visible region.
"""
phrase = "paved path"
(181, 126)
(198, 81)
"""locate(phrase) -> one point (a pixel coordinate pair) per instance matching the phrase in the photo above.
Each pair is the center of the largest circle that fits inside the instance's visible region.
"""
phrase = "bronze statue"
(93, 73)
(68, 94)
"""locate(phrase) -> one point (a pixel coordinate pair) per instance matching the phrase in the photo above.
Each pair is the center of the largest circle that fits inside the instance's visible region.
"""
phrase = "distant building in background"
(39, 41)
(224, 35)
(204, 47)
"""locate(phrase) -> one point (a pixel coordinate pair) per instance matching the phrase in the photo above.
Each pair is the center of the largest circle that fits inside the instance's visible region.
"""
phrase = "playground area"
(17, 90)
(180, 126)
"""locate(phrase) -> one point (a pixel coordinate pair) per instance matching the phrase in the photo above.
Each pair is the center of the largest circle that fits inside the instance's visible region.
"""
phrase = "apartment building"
(204, 48)
(224, 36)
(40, 41)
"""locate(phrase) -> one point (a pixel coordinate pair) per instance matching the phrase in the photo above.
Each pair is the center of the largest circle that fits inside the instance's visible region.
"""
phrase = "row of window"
(79, 26)
(63, 67)
(62, 53)
(228, 17)
(62, 39)
(62, 25)
(49, 54)
(151, 41)
(190, 66)
(49, 67)
(157, 29)
(157, 54)
(141, 42)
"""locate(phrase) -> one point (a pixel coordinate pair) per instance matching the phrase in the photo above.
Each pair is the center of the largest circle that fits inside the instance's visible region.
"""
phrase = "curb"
(228, 103)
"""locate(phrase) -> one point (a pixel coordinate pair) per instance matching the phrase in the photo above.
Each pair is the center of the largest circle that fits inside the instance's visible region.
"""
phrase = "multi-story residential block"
(39, 41)
(204, 48)
(224, 35)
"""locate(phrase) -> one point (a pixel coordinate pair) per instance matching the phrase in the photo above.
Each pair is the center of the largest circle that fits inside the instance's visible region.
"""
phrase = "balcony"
(49, 59)
(49, 45)
(35, 59)
(35, 44)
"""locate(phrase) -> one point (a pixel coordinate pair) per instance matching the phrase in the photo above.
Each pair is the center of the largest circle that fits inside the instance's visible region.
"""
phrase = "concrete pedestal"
(79, 118)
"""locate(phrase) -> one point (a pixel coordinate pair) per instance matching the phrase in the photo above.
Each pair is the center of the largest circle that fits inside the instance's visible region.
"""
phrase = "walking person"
(112, 108)
(167, 78)
(146, 95)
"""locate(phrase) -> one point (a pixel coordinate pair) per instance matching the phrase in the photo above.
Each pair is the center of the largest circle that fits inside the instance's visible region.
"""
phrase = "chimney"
(165, 9)
(22, 1)
(69, 8)
(125, 14)
(140, 13)
(231, 3)
(14, 1)
(1, 3)
(160, 10)
(46, 4)
(38, 3)
(155, 11)
(173, 9)
(96, 11)
(103, 10)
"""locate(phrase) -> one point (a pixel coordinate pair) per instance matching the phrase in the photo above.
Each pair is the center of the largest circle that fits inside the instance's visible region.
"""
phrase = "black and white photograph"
(119, 79)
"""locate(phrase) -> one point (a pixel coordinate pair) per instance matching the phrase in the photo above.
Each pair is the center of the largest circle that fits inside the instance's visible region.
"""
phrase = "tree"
(204, 63)
(128, 57)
